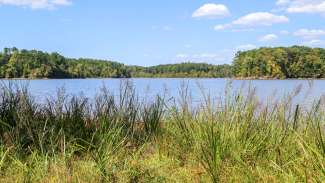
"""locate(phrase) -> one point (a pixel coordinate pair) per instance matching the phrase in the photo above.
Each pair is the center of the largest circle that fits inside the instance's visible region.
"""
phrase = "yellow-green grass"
(122, 139)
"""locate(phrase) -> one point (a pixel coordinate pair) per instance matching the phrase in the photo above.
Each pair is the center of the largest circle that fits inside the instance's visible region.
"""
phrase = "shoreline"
(227, 78)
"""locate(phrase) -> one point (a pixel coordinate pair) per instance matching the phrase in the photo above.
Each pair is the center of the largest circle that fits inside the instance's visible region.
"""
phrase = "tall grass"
(116, 137)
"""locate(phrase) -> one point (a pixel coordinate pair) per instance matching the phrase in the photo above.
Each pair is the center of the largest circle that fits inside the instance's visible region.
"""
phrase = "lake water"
(146, 88)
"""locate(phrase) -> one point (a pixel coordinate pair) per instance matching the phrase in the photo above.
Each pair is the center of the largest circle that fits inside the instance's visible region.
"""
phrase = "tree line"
(183, 70)
(15, 63)
(277, 62)
(280, 63)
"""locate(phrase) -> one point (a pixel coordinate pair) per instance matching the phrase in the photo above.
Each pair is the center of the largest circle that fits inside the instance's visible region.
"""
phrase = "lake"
(265, 89)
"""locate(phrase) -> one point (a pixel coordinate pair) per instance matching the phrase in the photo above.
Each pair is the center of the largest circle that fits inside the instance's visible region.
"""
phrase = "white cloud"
(222, 26)
(314, 42)
(309, 34)
(303, 6)
(211, 10)
(284, 32)
(37, 4)
(218, 57)
(245, 47)
(167, 28)
(307, 7)
(182, 55)
(206, 55)
(243, 30)
(283, 2)
(260, 18)
(268, 37)
(255, 19)
(61, 2)
(224, 56)
(198, 56)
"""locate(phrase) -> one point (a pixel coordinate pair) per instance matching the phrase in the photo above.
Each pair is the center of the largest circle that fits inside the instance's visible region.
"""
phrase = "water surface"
(265, 89)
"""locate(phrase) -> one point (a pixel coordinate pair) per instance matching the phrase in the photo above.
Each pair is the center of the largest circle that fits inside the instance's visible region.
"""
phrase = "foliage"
(16, 63)
(281, 62)
(278, 62)
(195, 70)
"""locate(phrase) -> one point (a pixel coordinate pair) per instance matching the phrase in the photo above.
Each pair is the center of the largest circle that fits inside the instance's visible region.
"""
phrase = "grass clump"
(120, 138)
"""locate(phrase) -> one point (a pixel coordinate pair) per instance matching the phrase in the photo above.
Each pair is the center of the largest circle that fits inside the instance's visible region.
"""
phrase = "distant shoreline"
(264, 64)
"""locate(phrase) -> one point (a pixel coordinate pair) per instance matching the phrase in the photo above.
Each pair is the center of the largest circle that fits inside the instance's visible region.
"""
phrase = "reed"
(116, 137)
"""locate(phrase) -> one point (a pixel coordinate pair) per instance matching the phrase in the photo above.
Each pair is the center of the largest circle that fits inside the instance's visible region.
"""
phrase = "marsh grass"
(120, 138)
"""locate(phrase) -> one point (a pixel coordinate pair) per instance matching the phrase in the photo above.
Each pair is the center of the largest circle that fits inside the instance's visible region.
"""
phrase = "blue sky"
(146, 32)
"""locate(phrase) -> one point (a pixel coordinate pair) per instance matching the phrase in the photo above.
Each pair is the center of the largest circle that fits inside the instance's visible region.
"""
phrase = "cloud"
(182, 55)
(222, 26)
(311, 37)
(260, 18)
(314, 42)
(61, 2)
(302, 6)
(268, 37)
(211, 10)
(37, 4)
(218, 57)
(167, 28)
(245, 47)
(282, 2)
(224, 56)
(226, 26)
(309, 34)
(284, 32)
(307, 7)
(255, 19)
(198, 56)
(243, 30)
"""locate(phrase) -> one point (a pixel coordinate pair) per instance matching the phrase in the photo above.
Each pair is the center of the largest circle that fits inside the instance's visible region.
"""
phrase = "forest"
(280, 63)
(182, 70)
(262, 63)
(15, 63)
